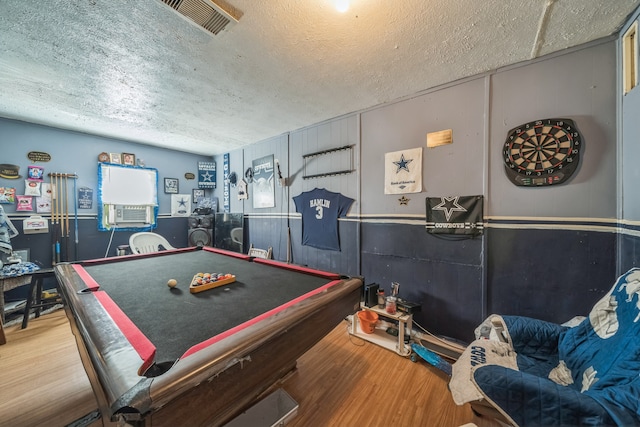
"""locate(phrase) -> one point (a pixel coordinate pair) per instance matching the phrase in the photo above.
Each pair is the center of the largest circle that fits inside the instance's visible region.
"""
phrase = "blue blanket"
(587, 375)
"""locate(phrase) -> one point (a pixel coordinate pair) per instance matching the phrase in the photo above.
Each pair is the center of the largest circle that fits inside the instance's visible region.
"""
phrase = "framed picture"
(171, 185)
(23, 254)
(128, 159)
(198, 193)
(115, 158)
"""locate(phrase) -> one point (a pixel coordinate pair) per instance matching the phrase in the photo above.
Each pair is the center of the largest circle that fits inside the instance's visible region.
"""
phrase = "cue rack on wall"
(60, 216)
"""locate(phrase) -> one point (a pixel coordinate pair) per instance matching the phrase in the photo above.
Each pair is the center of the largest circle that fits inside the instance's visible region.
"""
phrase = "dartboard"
(542, 152)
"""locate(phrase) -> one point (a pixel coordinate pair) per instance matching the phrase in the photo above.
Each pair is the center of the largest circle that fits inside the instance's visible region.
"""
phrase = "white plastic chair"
(146, 242)
(237, 235)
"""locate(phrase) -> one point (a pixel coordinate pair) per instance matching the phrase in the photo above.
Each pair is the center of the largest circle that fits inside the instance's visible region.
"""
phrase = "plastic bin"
(368, 320)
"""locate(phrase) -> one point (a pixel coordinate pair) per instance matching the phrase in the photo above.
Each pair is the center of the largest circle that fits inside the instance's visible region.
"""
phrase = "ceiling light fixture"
(341, 5)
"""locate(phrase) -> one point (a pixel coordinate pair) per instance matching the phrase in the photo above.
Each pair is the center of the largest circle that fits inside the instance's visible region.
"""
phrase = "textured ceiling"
(137, 70)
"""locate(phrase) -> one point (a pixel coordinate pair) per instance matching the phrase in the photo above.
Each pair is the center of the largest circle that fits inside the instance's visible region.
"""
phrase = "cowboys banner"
(403, 171)
(455, 215)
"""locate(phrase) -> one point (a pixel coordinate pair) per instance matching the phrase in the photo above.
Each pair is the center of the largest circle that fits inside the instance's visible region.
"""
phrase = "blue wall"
(77, 153)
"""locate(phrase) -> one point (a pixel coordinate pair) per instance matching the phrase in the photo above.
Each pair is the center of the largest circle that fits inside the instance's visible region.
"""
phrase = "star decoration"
(402, 163)
(207, 176)
(403, 200)
(449, 205)
(182, 202)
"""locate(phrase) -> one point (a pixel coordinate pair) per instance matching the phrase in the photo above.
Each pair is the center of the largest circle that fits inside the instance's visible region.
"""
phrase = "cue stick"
(56, 213)
(59, 195)
(60, 207)
(66, 209)
(53, 220)
(75, 214)
(66, 199)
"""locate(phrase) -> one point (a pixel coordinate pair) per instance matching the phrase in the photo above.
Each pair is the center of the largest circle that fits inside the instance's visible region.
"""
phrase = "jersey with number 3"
(320, 211)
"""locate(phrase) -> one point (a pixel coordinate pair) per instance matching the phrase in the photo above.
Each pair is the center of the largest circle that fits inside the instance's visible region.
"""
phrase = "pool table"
(166, 356)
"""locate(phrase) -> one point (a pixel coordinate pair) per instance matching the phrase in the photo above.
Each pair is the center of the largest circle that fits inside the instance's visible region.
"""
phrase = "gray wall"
(629, 174)
(546, 252)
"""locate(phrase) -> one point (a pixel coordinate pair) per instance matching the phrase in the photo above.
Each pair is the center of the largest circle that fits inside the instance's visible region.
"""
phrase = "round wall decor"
(542, 152)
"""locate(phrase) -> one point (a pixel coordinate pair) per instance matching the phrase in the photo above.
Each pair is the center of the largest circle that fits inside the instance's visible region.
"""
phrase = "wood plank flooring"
(342, 381)
(42, 381)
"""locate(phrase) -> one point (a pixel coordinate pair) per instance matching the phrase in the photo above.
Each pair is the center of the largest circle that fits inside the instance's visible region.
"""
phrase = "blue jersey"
(320, 211)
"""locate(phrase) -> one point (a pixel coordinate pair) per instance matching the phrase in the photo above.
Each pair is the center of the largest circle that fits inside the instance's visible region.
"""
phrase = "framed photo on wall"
(198, 193)
(171, 185)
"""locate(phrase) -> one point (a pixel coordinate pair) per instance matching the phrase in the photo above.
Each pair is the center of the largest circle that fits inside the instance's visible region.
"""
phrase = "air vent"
(205, 13)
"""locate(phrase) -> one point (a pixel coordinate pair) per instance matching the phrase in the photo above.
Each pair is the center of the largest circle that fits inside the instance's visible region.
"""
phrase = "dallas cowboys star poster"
(455, 215)
(403, 171)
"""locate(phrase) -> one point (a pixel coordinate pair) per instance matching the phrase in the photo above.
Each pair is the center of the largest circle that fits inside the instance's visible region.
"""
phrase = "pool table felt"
(175, 319)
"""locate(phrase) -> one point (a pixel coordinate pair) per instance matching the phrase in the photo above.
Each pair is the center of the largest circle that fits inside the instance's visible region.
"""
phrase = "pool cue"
(55, 213)
(53, 221)
(61, 206)
(66, 208)
(66, 199)
(75, 214)
(58, 211)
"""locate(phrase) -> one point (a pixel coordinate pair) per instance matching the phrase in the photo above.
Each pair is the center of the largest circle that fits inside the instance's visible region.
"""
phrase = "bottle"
(381, 302)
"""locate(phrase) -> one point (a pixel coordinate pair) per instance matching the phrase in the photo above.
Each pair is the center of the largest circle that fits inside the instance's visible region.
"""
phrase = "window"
(630, 58)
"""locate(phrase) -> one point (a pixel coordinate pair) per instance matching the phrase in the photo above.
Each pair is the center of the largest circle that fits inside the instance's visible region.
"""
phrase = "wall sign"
(206, 174)
(226, 201)
(263, 183)
(39, 156)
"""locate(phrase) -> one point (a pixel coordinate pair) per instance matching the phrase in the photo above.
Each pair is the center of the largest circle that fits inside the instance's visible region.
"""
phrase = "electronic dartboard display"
(542, 152)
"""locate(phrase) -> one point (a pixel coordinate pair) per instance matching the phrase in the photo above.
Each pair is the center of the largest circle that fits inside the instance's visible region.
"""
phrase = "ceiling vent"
(205, 13)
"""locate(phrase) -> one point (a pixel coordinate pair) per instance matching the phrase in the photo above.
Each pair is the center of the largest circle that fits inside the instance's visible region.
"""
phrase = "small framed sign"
(171, 185)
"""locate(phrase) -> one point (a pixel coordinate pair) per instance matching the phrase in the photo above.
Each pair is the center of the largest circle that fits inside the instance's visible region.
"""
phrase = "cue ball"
(172, 283)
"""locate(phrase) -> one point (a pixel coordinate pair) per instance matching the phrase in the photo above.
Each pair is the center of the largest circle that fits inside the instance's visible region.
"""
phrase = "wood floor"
(342, 381)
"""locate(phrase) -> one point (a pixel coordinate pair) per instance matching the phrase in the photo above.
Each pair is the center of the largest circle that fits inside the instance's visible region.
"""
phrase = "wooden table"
(8, 283)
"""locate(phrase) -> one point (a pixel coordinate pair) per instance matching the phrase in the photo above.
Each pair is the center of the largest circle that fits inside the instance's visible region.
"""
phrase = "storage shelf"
(381, 337)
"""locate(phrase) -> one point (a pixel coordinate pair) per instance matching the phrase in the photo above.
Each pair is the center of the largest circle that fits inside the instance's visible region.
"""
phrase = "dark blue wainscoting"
(548, 274)
(629, 252)
(444, 276)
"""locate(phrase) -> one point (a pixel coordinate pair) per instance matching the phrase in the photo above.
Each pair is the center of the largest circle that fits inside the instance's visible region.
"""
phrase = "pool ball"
(172, 283)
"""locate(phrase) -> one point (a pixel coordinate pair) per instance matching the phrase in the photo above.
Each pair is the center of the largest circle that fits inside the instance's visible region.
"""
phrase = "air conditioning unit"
(130, 214)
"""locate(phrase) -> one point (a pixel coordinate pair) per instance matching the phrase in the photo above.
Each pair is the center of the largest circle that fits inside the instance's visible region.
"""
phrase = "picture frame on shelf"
(171, 185)
(128, 159)
(115, 158)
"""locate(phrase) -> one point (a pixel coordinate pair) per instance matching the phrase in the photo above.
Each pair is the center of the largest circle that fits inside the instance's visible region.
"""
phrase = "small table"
(6, 284)
(34, 297)
(11, 282)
